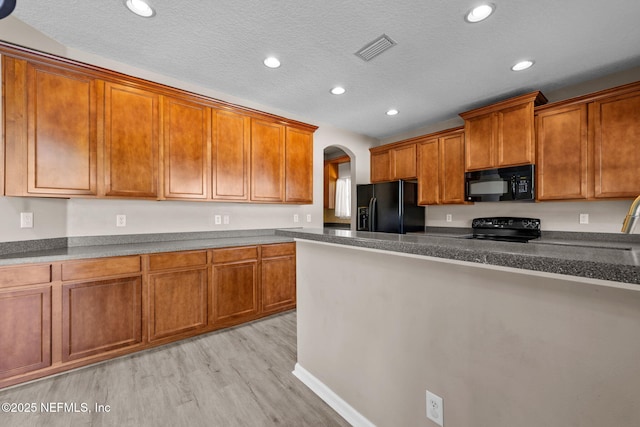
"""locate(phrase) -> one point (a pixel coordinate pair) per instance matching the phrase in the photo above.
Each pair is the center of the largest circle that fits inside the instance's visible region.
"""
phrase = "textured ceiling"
(440, 66)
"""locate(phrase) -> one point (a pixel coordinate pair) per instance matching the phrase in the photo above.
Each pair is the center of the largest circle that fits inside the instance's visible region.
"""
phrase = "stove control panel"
(509, 223)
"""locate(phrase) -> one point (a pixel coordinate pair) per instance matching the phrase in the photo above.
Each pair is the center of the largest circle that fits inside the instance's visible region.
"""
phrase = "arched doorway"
(339, 171)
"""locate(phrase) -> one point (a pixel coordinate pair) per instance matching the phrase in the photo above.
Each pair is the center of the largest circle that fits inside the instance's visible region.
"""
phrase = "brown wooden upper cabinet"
(51, 124)
(561, 167)
(587, 147)
(74, 130)
(441, 168)
(380, 166)
(298, 166)
(230, 155)
(393, 162)
(131, 141)
(187, 132)
(501, 134)
(616, 143)
(267, 161)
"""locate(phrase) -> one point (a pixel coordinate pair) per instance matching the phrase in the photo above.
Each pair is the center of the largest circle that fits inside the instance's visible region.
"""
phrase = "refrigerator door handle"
(372, 214)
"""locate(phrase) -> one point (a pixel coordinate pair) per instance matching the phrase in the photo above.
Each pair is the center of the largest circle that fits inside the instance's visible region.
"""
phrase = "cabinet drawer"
(235, 254)
(278, 249)
(25, 275)
(177, 260)
(100, 267)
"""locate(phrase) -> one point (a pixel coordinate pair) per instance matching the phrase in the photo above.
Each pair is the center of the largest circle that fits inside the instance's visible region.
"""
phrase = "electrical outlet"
(584, 218)
(26, 219)
(449, 217)
(296, 218)
(308, 217)
(225, 219)
(435, 408)
(121, 220)
(217, 219)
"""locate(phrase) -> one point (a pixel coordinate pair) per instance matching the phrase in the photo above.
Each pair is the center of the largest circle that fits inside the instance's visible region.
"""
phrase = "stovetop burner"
(510, 229)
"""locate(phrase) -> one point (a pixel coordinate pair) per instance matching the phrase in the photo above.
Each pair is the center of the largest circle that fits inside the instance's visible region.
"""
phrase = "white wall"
(83, 217)
(604, 217)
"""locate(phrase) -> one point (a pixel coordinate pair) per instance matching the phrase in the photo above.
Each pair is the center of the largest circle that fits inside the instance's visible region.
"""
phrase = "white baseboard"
(345, 410)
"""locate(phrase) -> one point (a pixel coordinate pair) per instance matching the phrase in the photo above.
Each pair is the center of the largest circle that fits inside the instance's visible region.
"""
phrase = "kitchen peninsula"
(498, 330)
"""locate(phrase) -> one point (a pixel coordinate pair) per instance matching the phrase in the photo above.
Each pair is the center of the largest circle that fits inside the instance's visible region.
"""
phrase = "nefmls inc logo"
(6, 7)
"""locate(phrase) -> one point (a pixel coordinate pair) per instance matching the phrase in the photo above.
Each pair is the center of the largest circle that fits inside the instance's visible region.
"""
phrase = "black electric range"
(504, 228)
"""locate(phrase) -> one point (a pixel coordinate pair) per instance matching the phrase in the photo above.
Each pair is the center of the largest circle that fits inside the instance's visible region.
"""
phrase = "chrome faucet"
(632, 216)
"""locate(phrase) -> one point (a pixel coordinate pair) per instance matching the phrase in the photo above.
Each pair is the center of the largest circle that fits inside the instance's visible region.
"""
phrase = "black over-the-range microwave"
(503, 184)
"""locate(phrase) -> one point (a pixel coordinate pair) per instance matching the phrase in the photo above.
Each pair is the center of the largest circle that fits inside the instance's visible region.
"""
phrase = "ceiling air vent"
(375, 48)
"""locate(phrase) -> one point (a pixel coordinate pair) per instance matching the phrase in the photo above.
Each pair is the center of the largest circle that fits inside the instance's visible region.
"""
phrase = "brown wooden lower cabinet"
(59, 316)
(235, 284)
(278, 275)
(25, 330)
(177, 298)
(101, 316)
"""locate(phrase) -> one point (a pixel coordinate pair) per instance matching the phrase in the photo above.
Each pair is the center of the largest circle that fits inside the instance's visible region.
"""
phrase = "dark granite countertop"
(63, 249)
(591, 255)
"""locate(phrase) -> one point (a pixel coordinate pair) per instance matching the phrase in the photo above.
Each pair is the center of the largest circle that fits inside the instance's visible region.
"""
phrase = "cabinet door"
(515, 135)
(62, 135)
(428, 172)
(278, 277)
(452, 168)
(480, 145)
(100, 316)
(298, 166)
(616, 132)
(177, 302)
(404, 162)
(380, 167)
(267, 161)
(561, 166)
(186, 145)
(25, 330)
(230, 155)
(235, 291)
(131, 142)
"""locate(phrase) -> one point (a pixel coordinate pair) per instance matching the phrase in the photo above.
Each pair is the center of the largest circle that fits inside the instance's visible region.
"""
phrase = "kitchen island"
(544, 333)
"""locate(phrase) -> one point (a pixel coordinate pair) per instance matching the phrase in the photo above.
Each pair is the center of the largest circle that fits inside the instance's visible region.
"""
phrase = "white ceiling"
(440, 66)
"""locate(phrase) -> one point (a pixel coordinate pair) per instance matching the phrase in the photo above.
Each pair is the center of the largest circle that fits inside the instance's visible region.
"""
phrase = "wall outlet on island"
(435, 408)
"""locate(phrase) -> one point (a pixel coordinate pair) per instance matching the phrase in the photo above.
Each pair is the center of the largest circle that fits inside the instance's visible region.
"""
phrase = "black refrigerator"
(390, 207)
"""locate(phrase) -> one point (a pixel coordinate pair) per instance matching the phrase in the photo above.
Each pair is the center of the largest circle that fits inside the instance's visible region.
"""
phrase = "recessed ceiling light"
(392, 112)
(272, 62)
(480, 13)
(140, 8)
(338, 90)
(522, 65)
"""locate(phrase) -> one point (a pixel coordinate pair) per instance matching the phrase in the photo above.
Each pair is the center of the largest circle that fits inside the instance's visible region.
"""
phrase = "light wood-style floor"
(236, 377)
